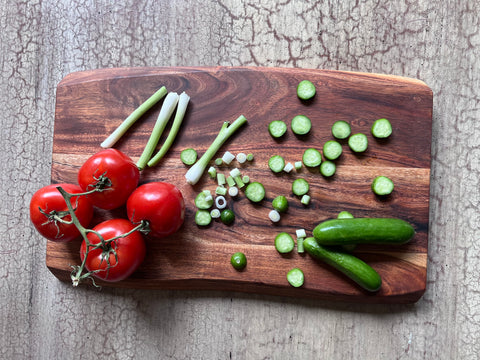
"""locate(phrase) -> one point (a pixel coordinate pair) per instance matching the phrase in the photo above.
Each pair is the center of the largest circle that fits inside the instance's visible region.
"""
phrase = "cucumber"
(356, 269)
(363, 231)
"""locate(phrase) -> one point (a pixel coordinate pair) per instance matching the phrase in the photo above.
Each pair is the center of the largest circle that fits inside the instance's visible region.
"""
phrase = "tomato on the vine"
(48, 211)
(113, 173)
(119, 258)
(159, 203)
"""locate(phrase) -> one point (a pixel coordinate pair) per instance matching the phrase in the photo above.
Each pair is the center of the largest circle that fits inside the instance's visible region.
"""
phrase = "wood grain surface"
(90, 105)
(44, 41)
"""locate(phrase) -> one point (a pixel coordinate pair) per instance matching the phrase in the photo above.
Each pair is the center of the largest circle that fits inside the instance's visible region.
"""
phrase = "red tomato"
(48, 205)
(159, 203)
(130, 251)
(114, 173)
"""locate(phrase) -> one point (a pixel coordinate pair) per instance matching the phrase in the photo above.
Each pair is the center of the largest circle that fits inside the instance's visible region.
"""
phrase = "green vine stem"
(78, 274)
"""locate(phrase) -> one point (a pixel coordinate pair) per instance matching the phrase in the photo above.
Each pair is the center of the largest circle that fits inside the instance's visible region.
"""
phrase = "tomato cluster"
(113, 249)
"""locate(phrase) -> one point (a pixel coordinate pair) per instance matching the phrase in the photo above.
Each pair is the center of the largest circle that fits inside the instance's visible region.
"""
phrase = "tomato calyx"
(54, 217)
(101, 183)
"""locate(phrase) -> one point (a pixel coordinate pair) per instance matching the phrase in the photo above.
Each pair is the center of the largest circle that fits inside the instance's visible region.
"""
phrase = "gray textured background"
(435, 41)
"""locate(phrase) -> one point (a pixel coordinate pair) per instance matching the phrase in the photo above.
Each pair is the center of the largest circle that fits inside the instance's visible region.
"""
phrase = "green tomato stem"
(133, 117)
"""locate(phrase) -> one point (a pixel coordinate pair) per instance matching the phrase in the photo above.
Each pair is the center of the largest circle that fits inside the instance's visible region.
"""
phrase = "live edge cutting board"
(91, 104)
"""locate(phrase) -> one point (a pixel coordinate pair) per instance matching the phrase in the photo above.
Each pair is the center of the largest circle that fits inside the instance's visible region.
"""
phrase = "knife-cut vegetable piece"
(177, 122)
(280, 203)
(382, 185)
(328, 168)
(203, 217)
(277, 128)
(312, 157)
(295, 277)
(188, 156)
(255, 192)
(133, 117)
(332, 150)
(300, 187)
(341, 129)
(305, 90)
(358, 142)
(301, 125)
(196, 171)
(284, 243)
(227, 216)
(381, 128)
(165, 112)
(276, 163)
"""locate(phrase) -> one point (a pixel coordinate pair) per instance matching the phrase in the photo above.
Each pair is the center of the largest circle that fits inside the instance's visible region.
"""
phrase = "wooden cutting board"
(91, 104)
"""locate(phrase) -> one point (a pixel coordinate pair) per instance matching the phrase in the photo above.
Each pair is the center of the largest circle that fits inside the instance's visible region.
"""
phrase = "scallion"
(167, 109)
(194, 174)
(133, 117)
(183, 100)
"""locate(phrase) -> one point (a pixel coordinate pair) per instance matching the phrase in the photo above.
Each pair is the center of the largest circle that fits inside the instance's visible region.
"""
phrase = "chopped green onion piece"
(238, 181)
(288, 167)
(241, 158)
(246, 179)
(166, 112)
(194, 174)
(227, 216)
(233, 191)
(274, 215)
(228, 157)
(220, 190)
(218, 161)
(298, 165)
(300, 248)
(221, 179)
(230, 181)
(177, 122)
(250, 157)
(301, 233)
(133, 117)
(220, 202)
(212, 172)
(305, 200)
(235, 172)
(215, 213)
(238, 261)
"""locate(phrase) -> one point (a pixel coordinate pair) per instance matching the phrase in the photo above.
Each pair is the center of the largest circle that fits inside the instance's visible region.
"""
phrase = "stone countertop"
(435, 41)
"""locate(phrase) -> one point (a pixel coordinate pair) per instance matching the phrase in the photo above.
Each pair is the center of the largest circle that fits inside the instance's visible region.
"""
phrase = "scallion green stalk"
(195, 172)
(133, 117)
(166, 111)
(177, 122)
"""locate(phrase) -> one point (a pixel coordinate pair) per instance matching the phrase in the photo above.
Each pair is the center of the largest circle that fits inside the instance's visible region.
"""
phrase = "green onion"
(133, 117)
(167, 109)
(177, 122)
(194, 174)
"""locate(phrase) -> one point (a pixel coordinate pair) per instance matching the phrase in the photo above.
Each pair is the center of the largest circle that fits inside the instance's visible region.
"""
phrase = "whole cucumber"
(363, 231)
(356, 269)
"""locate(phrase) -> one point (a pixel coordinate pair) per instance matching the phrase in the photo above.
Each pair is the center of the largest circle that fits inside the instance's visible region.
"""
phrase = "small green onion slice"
(238, 260)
